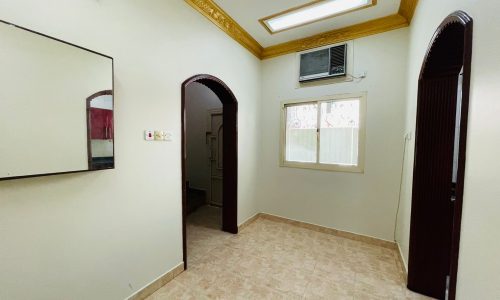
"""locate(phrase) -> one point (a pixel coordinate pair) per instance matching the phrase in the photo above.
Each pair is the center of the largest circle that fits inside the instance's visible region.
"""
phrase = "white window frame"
(359, 168)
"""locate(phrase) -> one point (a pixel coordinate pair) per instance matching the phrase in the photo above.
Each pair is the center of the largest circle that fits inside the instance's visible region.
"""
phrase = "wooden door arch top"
(215, 84)
(457, 26)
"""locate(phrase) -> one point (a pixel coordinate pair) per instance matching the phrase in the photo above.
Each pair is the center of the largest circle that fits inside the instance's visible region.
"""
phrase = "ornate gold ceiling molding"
(336, 36)
(407, 9)
(219, 17)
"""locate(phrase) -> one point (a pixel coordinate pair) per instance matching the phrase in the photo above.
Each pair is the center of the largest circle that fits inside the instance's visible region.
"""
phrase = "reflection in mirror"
(100, 130)
(45, 85)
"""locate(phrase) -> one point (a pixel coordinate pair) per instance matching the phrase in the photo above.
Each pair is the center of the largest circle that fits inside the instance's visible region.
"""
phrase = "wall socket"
(157, 135)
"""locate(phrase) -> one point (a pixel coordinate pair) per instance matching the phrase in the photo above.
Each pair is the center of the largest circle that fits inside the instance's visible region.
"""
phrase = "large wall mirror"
(56, 106)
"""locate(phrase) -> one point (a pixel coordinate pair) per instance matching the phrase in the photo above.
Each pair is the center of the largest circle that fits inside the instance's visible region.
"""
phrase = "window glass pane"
(301, 136)
(339, 132)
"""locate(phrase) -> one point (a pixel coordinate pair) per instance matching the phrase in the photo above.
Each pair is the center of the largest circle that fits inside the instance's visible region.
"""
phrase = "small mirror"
(100, 130)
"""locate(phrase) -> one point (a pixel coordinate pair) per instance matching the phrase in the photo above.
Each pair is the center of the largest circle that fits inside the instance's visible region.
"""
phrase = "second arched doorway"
(229, 148)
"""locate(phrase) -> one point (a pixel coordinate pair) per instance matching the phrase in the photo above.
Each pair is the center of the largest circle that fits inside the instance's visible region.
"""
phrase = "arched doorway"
(100, 131)
(230, 150)
(440, 145)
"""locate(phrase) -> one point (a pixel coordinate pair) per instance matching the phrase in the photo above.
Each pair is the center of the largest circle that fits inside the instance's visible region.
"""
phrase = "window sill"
(323, 167)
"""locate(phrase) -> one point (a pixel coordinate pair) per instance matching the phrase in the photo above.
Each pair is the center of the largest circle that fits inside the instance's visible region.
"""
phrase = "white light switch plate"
(149, 135)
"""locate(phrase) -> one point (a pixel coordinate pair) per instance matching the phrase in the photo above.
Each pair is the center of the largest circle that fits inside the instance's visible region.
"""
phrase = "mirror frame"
(88, 132)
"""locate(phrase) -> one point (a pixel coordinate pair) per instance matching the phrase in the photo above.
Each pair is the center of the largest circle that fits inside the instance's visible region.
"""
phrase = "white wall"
(479, 266)
(361, 203)
(199, 100)
(93, 235)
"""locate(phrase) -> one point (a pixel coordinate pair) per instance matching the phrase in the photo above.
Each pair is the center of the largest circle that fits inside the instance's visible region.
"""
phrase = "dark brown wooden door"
(438, 174)
(432, 208)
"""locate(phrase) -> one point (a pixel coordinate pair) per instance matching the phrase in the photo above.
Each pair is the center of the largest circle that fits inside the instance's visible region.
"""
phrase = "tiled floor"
(273, 260)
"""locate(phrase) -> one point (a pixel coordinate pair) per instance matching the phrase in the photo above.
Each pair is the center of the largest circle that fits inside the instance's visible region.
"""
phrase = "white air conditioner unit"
(323, 64)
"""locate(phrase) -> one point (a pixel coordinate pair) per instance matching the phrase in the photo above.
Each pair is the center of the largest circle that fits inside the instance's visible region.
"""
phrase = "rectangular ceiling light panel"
(313, 12)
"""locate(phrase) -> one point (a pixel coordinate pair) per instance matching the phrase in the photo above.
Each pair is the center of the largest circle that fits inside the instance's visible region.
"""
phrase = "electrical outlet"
(158, 135)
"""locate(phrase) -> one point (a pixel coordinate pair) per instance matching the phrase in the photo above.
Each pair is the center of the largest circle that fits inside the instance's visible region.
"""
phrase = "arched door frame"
(230, 150)
(449, 54)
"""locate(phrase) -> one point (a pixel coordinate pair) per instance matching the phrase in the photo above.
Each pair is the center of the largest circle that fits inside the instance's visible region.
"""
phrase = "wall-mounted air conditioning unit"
(324, 63)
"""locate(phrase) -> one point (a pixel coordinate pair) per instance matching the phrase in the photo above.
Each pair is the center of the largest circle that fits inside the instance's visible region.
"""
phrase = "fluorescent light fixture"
(312, 12)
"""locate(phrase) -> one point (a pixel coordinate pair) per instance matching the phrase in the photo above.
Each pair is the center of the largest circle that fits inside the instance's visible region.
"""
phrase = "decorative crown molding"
(219, 17)
(338, 35)
(407, 9)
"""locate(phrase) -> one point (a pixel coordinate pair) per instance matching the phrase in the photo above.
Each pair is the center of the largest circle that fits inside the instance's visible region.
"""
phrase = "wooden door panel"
(432, 209)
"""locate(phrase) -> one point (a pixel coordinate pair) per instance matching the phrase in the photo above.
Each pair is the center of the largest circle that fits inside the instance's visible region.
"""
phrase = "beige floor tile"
(331, 285)
(175, 290)
(369, 285)
(409, 295)
(276, 260)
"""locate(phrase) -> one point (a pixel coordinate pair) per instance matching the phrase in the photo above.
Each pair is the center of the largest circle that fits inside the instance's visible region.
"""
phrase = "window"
(326, 134)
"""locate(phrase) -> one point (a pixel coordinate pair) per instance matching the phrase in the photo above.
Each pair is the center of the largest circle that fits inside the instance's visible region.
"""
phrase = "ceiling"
(248, 13)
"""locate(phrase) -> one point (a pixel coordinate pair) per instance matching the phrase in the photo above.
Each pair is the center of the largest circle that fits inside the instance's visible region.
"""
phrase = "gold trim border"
(158, 283)
(336, 36)
(263, 20)
(407, 9)
(221, 19)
